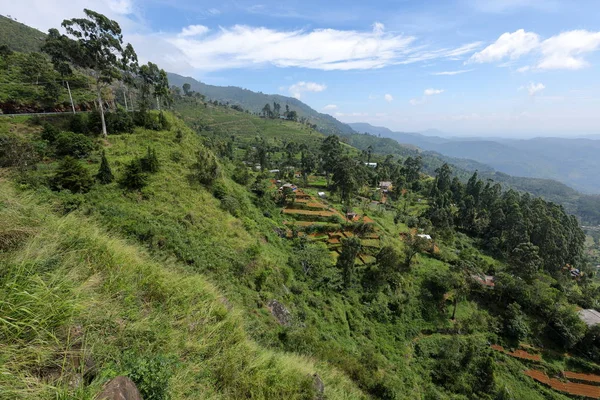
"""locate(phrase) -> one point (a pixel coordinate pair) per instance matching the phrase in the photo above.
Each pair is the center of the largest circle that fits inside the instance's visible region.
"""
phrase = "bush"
(74, 145)
(16, 152)
(151, 375)
(134, 178)
(119, 122)
(206, 169)
(79, 124)
(49, 133)
(231, 205)
(241, 175)
(72, 175)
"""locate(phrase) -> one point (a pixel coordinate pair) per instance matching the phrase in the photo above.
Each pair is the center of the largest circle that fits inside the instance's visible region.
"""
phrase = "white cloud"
(416, 102)
(511, 45)
(534, 88)
(451, 73)
(502, 6)
(297, 89)
(562, 51)
(193, 30)
(431, 92)
(389, 98)
(330, 107)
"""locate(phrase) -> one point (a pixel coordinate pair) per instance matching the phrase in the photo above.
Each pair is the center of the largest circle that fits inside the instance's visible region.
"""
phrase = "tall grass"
(72, 290)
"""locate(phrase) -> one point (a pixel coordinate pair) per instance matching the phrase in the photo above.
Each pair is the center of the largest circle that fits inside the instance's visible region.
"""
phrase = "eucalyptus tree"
(94, 44)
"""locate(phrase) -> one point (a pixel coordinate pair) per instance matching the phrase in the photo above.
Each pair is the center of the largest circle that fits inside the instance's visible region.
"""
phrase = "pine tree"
(150, 162)
(104, 175)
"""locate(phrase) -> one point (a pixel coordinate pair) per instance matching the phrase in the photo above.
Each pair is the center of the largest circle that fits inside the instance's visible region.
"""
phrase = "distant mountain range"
(255, 101)
(575, 162)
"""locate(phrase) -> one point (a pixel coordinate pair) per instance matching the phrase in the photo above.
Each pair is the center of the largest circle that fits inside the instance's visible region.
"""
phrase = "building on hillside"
(321, 194)
(423, 236)
(371, 164)
(274, 171)
(590, 317)
(288, 186)
(484, 280)
(385, 186)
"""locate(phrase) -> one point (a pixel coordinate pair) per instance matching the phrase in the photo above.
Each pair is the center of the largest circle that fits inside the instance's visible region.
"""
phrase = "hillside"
(571, 161)
(144, 259)
(254, 102)
(19, 37)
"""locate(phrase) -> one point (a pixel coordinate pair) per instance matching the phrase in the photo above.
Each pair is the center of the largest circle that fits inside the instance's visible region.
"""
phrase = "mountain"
(573, 161)
(254, 102)
(19, 37)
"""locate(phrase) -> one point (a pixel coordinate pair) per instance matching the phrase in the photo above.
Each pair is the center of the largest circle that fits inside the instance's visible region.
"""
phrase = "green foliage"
(515, 323)
(150, 373)
(104, 175)
(149, 162)
(206, 169)
(74, 145)
(72, 175)
(19, 37)
(346, 262)
(50, 133)
(134, 177)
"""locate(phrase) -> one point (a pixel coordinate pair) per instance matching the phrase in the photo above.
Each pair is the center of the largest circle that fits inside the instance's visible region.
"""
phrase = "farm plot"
(575, 389)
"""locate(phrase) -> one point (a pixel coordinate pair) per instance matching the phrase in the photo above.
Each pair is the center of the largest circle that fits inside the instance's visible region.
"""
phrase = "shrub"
(231, 205)
(119, 122)
(206, 168)
(16, 152)
(164, 123)
(74, 145)
(104, 175)
(151, 375)
(150, 162)
(79, 124)
(72, 175)
(241, 175)
(134, 178)
(49, 133)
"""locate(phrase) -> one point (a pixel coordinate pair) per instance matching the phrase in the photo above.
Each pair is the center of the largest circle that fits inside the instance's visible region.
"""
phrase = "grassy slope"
(65, 274)
(19, 37)
(184, 228)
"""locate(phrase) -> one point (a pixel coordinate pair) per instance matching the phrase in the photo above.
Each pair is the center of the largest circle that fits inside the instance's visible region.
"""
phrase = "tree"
(154, 82)
(72, 175)
(292, 116)
(104, 175)
(134, 178)
(206, 169)
(525, 261)
(186, 89)
(413, 245)
(347, 178)
(308, 163)
(150, 161)
(346, 262)
(515, 323)
(267, 111)
(94, 43)
(331, 151)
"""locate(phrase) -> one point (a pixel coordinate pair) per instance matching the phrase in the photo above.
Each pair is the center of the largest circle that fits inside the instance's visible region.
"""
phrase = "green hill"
(20, 37)
(254, 102)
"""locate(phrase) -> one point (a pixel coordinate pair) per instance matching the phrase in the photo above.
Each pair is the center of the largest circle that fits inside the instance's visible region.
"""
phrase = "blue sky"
(467, 67)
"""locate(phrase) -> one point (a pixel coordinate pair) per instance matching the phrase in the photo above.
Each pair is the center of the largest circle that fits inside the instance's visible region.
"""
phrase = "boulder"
(279, 311)
(120, 388)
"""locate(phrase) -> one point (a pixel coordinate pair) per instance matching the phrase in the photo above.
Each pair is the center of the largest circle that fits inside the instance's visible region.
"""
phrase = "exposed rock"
(120, 388)
(319, 387)
(279, 311)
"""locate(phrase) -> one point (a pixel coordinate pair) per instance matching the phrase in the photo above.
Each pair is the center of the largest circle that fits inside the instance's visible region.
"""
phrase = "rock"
(120, 388)
(279, 311)
(319, 387)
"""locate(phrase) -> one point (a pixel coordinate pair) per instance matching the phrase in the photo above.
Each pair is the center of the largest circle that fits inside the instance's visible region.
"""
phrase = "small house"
(385, 186)
(321, 194)
(288, 186)
(423, 236)
(371, 164)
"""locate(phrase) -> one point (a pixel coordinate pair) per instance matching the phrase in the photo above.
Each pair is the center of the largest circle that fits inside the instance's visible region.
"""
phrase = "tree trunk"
(157, 104)
(104, 132)
(455, 304)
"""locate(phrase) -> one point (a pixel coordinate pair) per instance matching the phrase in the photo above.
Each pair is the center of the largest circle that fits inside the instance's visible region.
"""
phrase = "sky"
(512, 68)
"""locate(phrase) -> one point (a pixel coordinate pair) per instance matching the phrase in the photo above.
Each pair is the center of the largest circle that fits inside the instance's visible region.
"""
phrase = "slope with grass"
(20, 37)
